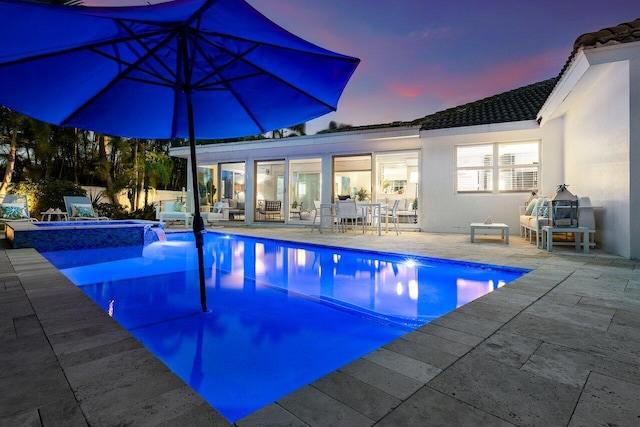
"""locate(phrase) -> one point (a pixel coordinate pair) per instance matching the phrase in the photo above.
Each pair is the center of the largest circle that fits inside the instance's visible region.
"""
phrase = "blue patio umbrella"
(205, 69)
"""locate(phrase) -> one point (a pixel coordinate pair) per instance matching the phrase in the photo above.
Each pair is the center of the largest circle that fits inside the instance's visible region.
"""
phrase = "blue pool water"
(281, 314)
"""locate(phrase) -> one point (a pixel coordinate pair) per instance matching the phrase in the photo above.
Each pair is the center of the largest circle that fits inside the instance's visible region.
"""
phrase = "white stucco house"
(470, 162)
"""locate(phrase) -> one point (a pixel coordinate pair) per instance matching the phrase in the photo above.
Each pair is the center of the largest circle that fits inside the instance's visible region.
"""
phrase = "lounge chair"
(295, 209)
(173, 211)
(270, 209)
(14, 208)
(219, 212)
(79, 208)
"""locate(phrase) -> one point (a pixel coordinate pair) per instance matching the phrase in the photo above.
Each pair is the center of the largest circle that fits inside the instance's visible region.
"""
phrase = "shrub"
(118, 212)
(148, 213)
(110, 210)
(44, 194)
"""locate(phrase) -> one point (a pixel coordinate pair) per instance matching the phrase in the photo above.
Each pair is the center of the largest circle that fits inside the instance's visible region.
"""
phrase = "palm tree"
(297, 130)
(158, 168)
(12, 121)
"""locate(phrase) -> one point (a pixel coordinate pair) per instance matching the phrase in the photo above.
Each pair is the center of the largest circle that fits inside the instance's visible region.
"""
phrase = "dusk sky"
(422, 56)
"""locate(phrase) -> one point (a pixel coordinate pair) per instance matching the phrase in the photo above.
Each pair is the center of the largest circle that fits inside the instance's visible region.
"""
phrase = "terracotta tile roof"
(516, 105)
(623, 33)
(350, 128)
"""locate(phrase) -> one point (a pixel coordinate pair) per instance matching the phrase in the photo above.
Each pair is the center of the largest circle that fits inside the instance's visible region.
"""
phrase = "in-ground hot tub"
(67, 235)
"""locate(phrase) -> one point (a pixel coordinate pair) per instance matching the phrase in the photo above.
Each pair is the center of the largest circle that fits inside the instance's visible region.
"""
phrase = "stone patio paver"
(560, 346)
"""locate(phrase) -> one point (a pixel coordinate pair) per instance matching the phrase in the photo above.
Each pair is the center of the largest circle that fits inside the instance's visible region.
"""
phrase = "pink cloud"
(456, 89)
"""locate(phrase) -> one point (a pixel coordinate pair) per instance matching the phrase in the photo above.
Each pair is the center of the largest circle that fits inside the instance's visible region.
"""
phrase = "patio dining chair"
(316, 213)
(391, 214)
(347, 211)
(324, 215)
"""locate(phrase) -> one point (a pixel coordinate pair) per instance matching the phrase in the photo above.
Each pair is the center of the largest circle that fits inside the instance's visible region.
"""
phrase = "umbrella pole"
(198, 223)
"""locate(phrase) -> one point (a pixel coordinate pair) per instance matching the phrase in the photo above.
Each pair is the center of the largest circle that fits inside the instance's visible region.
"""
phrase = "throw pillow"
(86, 207)
(13, 211)
(178, 207)
(84, 212)
(531, 206)
(542, 208)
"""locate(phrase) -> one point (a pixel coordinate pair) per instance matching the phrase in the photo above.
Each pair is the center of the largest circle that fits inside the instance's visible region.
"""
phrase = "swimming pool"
(282, 314)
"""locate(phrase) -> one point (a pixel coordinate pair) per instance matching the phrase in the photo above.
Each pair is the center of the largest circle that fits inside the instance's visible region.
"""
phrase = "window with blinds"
(497, 167)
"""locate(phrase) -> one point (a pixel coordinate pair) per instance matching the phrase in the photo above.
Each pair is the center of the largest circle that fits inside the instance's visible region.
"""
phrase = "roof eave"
(587, 65)
(563, 88)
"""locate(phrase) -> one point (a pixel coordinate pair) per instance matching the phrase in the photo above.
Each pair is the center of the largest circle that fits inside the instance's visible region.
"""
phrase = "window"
(516, 169)
(397, 174)
(269, 184)
(352, 176)
(305, 184)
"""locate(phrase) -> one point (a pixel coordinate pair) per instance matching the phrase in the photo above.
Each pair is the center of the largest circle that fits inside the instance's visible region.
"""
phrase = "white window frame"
(495, 168)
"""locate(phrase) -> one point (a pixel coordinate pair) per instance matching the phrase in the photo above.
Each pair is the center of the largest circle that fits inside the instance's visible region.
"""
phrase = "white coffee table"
(504, 229)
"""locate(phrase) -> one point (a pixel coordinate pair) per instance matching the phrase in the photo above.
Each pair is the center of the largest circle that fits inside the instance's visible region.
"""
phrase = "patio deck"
(559, 346)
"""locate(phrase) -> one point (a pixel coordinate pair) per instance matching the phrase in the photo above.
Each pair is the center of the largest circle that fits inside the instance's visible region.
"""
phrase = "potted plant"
(414, 207)
(362, 194)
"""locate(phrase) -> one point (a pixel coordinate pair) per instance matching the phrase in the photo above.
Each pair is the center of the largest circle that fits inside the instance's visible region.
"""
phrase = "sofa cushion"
(538, 223)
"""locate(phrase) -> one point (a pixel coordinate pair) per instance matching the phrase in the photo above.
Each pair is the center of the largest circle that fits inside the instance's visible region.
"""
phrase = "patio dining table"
(327, 214)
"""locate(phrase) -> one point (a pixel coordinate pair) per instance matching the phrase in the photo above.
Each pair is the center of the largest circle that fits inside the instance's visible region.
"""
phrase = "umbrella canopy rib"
(89, 46)
(120, 76)
(217, 70)
(151, 53)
